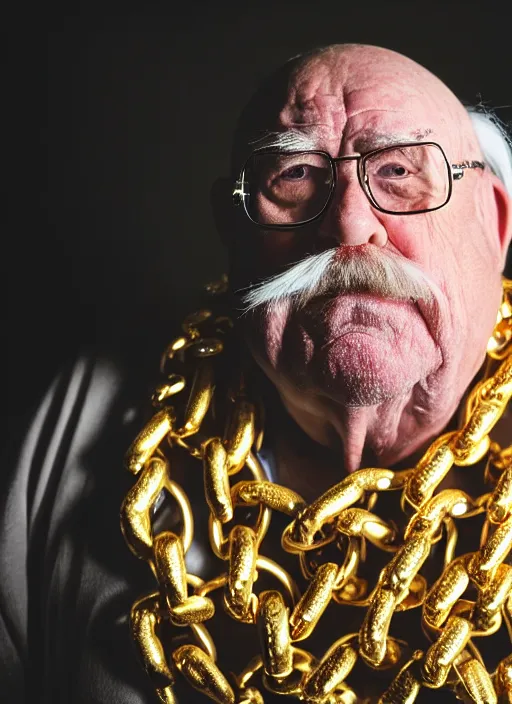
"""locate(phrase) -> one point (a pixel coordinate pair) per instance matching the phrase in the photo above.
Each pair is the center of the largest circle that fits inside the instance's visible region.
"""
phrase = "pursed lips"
(361, 314)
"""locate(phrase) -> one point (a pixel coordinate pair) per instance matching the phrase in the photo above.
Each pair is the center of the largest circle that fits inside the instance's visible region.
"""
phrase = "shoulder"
(65, 583)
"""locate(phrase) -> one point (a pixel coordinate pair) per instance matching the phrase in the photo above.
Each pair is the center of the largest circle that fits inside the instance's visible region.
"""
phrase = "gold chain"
(471, 598)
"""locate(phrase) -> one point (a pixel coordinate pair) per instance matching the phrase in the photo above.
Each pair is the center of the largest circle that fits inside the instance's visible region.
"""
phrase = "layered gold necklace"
(469, 599)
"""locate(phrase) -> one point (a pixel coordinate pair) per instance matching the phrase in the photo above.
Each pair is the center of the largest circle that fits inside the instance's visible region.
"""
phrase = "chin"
(361, 354)
(368, 369)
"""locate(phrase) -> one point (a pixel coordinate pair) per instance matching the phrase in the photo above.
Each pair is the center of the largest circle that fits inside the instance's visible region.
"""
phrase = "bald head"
(355, 363)
(321, 93)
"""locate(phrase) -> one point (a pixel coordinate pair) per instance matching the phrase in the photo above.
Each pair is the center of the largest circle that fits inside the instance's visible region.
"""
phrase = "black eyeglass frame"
(455, 173)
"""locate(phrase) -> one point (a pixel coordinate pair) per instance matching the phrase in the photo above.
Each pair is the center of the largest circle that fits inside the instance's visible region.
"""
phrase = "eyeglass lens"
(285, 189)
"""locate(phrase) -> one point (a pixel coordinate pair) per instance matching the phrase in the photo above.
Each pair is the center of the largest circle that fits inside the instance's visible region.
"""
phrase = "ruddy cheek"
(297, 352)
(269, 332)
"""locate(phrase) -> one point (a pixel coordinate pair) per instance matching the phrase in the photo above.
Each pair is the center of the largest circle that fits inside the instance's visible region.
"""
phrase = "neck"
(310, 465)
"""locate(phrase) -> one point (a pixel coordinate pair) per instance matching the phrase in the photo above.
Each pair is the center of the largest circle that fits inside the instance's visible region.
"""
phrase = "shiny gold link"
(255, 467)
(216, 480)
(465, 609)
(187, 534)
(206, 347)
(290, 544)
(452, 535)
(405, 687)
(440, 656)
(204, 639)
(328, 506)
(176, 346)
(220, 544)
(500, 502)
(414, 596)
(264, 563)
(175, 383)
(499, 387)
(345, 695)
(471, 454)
(405, 564)
(254, 665)
(144, 620)
(503, 459)
(192, 320)
(241, 435)
(239, 600)
(375, 627)
(507, 616)
(361, 523)
(394, 581)
(492, 554)
(498, 461)
(503, 679)
(498, 345)
(354, 592)
(274, 633)
(428, 520)
(137, 505)
(492, 597)
(199, 401)
(203, 674)
(313, 602)
(443, 594)
(335, 666)
(274, 496)
(291, 685)
(166, 695)
(170, 567)
(250, 696)
(192, 611)
(430, 470)
(477, 682)
(350, 564)
(148, 440)
(169, 562)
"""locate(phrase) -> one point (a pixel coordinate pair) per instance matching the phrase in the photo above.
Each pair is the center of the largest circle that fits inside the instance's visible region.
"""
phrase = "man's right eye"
(295, 173)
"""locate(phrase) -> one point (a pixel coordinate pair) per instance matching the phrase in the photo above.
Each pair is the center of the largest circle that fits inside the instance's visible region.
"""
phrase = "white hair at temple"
(496, 145)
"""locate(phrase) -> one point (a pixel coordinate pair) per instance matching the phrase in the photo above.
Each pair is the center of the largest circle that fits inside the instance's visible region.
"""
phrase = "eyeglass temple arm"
(458, 169)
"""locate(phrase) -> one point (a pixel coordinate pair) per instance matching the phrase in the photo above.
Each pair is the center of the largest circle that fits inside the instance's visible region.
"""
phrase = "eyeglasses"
(287, 189)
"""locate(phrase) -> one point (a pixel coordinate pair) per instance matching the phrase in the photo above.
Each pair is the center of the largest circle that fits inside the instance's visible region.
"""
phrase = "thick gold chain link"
(344, 517)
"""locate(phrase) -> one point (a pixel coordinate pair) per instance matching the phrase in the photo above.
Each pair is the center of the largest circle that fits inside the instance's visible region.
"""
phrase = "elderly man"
(367, 227)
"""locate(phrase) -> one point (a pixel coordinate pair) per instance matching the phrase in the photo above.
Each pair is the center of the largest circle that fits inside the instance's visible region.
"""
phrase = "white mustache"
(369, 270)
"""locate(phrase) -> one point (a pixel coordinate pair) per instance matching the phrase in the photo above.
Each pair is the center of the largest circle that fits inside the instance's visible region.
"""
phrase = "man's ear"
(221, 200)
(503, 214)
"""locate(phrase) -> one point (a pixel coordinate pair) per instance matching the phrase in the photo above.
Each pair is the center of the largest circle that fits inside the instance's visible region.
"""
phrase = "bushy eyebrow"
(368, 140)
(306, 139)
(291, 140)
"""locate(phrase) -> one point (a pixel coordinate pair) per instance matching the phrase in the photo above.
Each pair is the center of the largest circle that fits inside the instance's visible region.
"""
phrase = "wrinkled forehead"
(353, 99)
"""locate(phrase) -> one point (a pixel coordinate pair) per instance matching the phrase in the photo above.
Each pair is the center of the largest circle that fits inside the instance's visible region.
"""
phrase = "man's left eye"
(392, 171)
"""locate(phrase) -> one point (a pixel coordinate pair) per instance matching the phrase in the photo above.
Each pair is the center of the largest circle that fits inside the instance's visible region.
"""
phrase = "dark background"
(123, 118)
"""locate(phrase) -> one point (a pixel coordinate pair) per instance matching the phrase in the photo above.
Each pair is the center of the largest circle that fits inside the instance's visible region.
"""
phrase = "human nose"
(350, 218)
